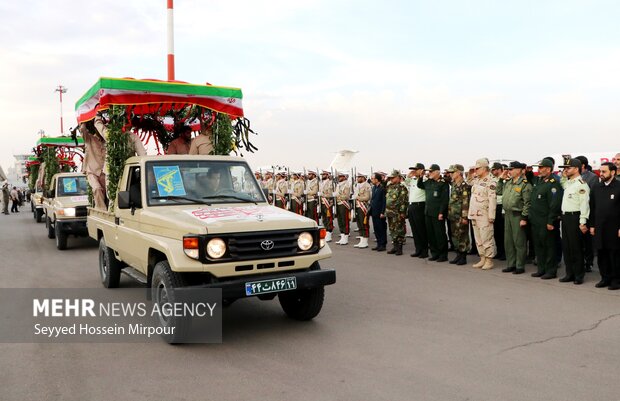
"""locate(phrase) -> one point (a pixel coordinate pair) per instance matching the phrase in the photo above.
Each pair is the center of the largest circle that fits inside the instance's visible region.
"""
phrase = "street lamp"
(61, 89)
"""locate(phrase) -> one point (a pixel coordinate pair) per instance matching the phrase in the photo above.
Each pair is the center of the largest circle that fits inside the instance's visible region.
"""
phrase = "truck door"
(128, 221)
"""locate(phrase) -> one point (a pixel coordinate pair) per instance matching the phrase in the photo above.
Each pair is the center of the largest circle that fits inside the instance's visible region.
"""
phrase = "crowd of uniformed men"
(508, 211)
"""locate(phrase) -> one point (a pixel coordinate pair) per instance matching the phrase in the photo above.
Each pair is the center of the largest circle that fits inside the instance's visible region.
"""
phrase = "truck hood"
(198, 219)
(71, 201)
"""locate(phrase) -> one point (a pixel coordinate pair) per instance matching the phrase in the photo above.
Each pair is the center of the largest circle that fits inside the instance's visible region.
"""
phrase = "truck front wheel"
(38, 215)
(51, 233)
(61, 237)
(302, 304)
(163, 285)
(109, 266)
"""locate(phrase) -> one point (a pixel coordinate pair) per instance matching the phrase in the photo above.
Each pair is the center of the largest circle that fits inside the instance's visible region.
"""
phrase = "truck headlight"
(67, 212)
(305, 241)
(216, 248)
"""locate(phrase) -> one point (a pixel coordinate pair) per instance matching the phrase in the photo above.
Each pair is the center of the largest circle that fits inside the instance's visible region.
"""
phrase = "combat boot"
(393, 250)
(359, 243)
(488, 264)
(481, 263)
(339, 242)
(456, 258)
(328, 236)
(399, 250)
(463, 260)
(363, 243)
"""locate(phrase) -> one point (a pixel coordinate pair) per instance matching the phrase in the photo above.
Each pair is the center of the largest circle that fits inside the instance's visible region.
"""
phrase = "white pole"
(170, 41)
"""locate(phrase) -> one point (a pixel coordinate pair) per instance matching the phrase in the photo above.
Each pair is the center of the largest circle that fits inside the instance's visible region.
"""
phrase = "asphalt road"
(392, 328)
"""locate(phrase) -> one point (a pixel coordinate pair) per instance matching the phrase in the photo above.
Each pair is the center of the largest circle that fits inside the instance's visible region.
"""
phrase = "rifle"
(351, 200)
(318, 195)
(335, 212)
(306, 190)
(289, 199)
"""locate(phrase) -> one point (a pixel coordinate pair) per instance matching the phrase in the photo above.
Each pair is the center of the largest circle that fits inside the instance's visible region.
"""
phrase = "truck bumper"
(235, 289)
(75, 227)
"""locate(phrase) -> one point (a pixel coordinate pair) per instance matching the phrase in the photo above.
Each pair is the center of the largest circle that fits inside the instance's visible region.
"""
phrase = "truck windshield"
(177, 182)
(72, 186)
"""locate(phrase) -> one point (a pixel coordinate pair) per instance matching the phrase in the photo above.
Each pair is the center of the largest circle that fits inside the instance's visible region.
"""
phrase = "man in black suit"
(377, 212)
(605, 226)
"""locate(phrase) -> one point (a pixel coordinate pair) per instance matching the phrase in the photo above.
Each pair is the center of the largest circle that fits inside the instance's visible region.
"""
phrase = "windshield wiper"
(178, 198)
(230, 197)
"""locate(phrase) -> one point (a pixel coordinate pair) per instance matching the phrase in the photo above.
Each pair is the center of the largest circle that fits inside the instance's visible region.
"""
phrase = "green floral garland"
(51, 165)
(118, 150)
(33, 173)
(223, 139)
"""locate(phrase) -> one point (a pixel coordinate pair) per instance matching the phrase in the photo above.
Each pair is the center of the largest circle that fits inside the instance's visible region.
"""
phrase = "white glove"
(354, 197)
(290, 191)
(305, 192)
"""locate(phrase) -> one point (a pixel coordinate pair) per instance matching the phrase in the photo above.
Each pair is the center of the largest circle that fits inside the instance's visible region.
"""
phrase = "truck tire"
(109, 266)
(61, 237)
(51, 233)
(302, 304)
(163, 283)
(38, 213)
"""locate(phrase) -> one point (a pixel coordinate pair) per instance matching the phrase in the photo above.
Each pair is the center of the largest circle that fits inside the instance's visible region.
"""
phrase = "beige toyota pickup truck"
(203, 221)
(64, 206)
(36, 204)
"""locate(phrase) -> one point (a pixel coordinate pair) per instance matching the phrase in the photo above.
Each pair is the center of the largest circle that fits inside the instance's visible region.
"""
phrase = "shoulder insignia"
(465, 193)
(552, 180)
(554, 190)
(580, 181)
(525, 181)
(582, 191)
(491, 186)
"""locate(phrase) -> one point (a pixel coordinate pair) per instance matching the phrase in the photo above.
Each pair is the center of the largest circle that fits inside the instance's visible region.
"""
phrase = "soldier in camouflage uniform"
(458, 207)
(326, 189)
(397, 201)
(311, 192)
(361, 197)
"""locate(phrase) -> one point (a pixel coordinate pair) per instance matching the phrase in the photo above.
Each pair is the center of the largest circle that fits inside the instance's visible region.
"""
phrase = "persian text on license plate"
(274, 285)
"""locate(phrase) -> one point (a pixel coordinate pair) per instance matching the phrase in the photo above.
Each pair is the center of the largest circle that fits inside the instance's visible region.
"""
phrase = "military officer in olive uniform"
(575, 215)
(458, 207)
(516, 196)
(546, 200)
(326, 189)
(361, 197)
(396, 202)
(436, 212)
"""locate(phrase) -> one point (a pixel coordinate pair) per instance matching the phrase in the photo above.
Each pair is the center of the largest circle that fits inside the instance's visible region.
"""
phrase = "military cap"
(497, 166)
(546, 162)
(311, 172)
(455, 167)
(395, 173)
(484, 162)
(434, 167)
(342, 174)
(361, 175)
(418, 166)
(383, 173)
(573, 163)
(325, 172)
(515, 164)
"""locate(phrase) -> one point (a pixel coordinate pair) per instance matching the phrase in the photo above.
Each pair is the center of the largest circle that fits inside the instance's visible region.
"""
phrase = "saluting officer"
(343, 194)
(436, 212)
(544, 212)
(458, 208)
(361, 197)
(575, 215)
(326, 187)
(516, 197)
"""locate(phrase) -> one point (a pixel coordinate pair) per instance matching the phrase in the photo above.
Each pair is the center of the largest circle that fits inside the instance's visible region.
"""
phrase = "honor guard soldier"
(280, 190)
(396, 202)
(343, 195)
(297, 194)
(575, 215)
(605, 226)
(415, 211)
(516, 195)
(437, 193)
(546, 201)
(269, 185)
(482, 213)
(361, 197)
(326, 188)
(458, 208)
(311, 192)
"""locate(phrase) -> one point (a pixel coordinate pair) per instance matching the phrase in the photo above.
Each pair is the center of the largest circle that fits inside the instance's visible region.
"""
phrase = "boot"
(363, 243)
(328, 237)
(399, 250)
(339, 242)
(456, 258)
(393, 250)
(488, 264)
(481, 263)
(359, 243)
(345, 239)
(463, 260)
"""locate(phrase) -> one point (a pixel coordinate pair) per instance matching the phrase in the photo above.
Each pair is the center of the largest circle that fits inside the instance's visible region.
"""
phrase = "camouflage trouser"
(327, 216)
(396, 224)
(460, 234)
(311, 211)
(363, 222)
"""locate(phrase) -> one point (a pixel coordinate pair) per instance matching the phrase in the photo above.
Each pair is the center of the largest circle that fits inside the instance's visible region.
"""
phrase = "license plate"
(267, 286)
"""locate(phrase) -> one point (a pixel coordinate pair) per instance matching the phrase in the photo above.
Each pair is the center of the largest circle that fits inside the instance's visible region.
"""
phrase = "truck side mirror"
(123, 199)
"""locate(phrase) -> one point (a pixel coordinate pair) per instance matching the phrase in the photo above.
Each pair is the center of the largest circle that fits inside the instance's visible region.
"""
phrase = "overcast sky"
(399, 81)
